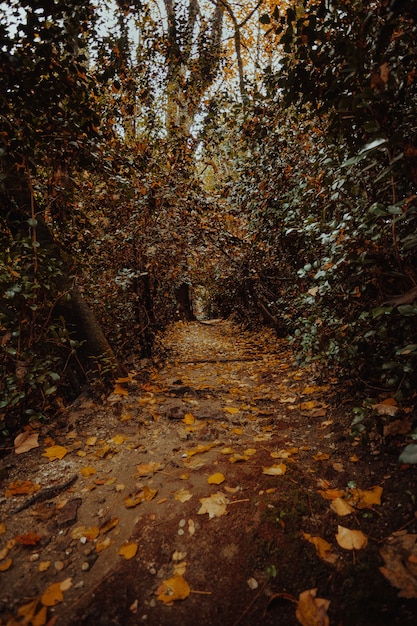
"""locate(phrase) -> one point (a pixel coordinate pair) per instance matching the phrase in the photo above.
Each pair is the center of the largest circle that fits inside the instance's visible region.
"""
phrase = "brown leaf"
(28, 539)
(215, 505)
(26, 441)
(312, 611)
(351, 539)
(21, 488)
(400, 556)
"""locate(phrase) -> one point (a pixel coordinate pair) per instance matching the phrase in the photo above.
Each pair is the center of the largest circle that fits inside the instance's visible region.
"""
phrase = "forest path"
(202, 497)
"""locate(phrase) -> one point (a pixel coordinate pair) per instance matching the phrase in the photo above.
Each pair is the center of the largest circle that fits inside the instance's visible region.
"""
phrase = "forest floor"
(223, 488)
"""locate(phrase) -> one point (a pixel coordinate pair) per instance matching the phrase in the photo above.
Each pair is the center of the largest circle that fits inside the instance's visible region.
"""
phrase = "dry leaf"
(102, 545)
(200, 448)
(88, 471)
(128, 550)
(175, 588)
(364, 499)
(321, 456)
(182, 495)
(26, 441)
(323, 547)
(148, 468)
(5, 565)
(351, 539)
(146, 494)
(232, 410)
(312, 611)
(109, 525)
(275, 470)
(55, 452)
(40, 618)
(28, 610)
(387, 407)
(89, 532)
(21, 488)
(28, 539)
(91, 441)
(188, 419)
(2, 528)
(341, 507)
(400, 557)
(216, 479)
(120, 390)
(54, 593)
(215, 505)
(119, 439)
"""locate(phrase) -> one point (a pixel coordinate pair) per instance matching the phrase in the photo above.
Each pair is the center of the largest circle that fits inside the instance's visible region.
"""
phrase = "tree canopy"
(204, 157)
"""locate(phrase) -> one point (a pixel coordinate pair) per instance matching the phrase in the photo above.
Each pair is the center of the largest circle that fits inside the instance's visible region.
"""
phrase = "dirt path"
(218, 475)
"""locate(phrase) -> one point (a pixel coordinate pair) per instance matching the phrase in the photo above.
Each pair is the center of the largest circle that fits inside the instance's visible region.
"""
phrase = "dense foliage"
(135, 169)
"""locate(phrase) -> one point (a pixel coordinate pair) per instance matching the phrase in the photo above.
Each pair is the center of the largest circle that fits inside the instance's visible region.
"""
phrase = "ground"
(214, 489)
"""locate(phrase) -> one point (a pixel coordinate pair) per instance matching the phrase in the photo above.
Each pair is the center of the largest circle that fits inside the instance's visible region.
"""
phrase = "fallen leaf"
(236, 431)
(175, 588)
(26, 441)
(2, 528)
(120, 390)
(28, 610)
(44, 566)
(232, 410)
(88, 471)
(102, 545)
(351, 539)
(215, 505)
(341, 507)
(321, 456)
(128, 550)
(89, 532)
(91, 441)
(28, 539)
(109, 525)
(54, 593)
(40, 618)
(364, 499)
(387, 407)
(216, 479)
(119, 439)
(331, 494)
(275, 470)
(55, 452)
(307, 406)
(148, 468)
(182, 495)
(312, 611)
(400, 555)
(21, 488)
(188, 419)
(200, 448)
(5, 565)
(146, 494)
(323, 547)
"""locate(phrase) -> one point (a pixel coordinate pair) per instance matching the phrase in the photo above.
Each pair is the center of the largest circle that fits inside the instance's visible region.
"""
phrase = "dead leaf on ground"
(148, 468)
(146, 494)
(26, 441)
(216, 479)
(55, 592)
(351, 539)
(55, 452)
(400, 558)
(312, 611)
(182, 495)
(28, 539)
(215, 505)
(387, 407)
(89, 532)
(188, 419)
(175, 588)
(5, 565)
(128, 550)
(232, 410)
(275, 470)
(365, 499)
(200, 449)
(88, 471)
(341, 507)
(21, 488)
(323, 547)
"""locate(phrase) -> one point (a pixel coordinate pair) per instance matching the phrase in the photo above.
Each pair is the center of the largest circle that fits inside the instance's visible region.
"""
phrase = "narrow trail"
(201, 497)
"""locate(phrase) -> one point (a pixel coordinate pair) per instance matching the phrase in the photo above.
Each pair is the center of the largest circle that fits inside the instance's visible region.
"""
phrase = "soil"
(229, 404)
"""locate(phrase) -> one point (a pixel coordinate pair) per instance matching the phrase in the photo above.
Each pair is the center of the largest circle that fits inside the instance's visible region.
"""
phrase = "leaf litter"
(232, 423)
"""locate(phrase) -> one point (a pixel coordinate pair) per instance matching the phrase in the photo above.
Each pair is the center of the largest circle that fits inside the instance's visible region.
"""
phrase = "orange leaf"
(21, 488)
(175, 588)
(351, 539)
(29, 539)
(188, 418)
(5, 565)
(312, 611)
(55, 452)
(129, 550)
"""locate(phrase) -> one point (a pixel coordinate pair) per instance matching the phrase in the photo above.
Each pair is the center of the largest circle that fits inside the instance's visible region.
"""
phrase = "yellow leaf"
(275, 470)
(44, 566)
(227, 451)
(146, 494)
(365, 499)
(28, 610)
(216, 479)
(354, 458)
(232, 410)
(119, 439)
(351, 539)
(40, 618)
(175, 588)
(237, 431)
(341, 507)
(91, 441)
(2, 528)
(119, 390)
(331, 494)
(323, 547)
(52, 595)
(102, 545)
(148, 468)
(21, 488)
(88, 471)
(55, 452)
(89, 532)
(188, 418)
(312, 611)
(307, 406)
(104, 528)
(215, 505)
(128, 550)
(200, 448)
(182, 495)
(321, 456)
(5, 565)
